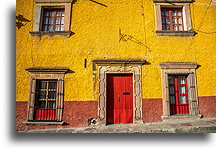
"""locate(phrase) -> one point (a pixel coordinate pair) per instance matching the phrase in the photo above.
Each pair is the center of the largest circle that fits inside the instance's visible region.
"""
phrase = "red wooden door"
(178, 94)
(119, 98)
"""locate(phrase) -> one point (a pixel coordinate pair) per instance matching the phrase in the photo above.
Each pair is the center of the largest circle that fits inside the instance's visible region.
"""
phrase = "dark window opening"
(172, 19)
(53, 19)
(45, 100)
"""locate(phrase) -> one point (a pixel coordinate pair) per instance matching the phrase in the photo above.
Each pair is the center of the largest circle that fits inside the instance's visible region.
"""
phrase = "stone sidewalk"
(205, 125)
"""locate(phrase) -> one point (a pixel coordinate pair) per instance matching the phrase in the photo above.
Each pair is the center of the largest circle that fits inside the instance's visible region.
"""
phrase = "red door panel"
(110, 100)
(119, 99)
(127, 100)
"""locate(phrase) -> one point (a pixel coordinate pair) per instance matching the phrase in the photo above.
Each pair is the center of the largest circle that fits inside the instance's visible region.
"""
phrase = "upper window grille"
(172, 19)
(53, 19)
(45, 100)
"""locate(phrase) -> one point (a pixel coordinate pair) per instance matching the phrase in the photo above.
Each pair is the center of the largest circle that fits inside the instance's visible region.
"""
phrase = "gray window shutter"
(32, 99)
(191, 87)
(59, 101)
(192, 94)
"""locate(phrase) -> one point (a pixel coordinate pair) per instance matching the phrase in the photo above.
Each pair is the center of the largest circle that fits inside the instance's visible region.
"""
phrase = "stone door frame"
(120, 67)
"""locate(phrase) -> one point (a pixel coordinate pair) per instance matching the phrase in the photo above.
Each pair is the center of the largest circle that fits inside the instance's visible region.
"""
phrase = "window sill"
(175, 33)
(54, 1)
(173, 1)
(51, 33)
(43, 123)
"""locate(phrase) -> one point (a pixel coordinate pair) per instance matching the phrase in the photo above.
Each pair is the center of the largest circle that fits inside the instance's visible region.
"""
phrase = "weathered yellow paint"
(97, 36)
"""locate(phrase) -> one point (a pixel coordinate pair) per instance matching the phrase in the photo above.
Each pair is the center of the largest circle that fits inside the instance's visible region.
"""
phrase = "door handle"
(118, 97)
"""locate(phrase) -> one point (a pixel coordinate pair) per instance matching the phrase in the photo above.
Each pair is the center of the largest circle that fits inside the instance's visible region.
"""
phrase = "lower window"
(178, 94)
(179, 89)
(45, 100)
(46, 95)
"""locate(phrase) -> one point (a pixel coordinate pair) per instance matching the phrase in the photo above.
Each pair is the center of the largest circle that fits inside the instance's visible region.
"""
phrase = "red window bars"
(53, 20)
(172, 19)
(45, 100)
(178, 94)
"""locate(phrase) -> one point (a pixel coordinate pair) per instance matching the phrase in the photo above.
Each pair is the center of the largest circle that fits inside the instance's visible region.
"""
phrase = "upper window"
(173, 19)
(53, 19)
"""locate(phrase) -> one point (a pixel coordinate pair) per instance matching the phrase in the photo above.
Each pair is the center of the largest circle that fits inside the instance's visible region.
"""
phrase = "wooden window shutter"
(192, 94)
(59, 101)
(191, 86)
(32, 99)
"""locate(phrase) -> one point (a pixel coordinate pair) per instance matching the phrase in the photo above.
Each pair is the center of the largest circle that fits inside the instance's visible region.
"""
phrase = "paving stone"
(186, 124)
(195, 129)
(207, 129)
(140, 129)
(87, 130)
(212, 122)
(134, 131)
(66, 130)
(42, 131)
(212, 130)
(51, 131)
(153, 131)
(90, 129)
(123, 129)
(184, 130)
(106, 130)
(79, 130)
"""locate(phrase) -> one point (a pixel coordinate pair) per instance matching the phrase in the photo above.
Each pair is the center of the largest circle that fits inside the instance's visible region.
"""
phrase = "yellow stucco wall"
(97, 36)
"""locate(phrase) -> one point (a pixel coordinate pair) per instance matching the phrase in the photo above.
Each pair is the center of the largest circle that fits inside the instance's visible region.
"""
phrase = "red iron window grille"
(45, 100)
(172, 19)
(53, 20)
(178, 94)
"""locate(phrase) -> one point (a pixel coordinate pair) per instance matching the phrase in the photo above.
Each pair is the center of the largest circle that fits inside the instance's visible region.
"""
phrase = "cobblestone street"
(206, 125)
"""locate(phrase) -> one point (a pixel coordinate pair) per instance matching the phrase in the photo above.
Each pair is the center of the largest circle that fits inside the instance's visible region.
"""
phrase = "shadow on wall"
(21, 21)
(98, 3)
(74, 1)
(126, 37)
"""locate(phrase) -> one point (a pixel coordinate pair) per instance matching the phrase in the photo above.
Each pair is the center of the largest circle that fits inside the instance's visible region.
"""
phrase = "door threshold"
(121, 124)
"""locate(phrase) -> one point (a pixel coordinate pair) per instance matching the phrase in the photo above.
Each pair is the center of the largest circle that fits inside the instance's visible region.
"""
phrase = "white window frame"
(38, 17)
(188, 31)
